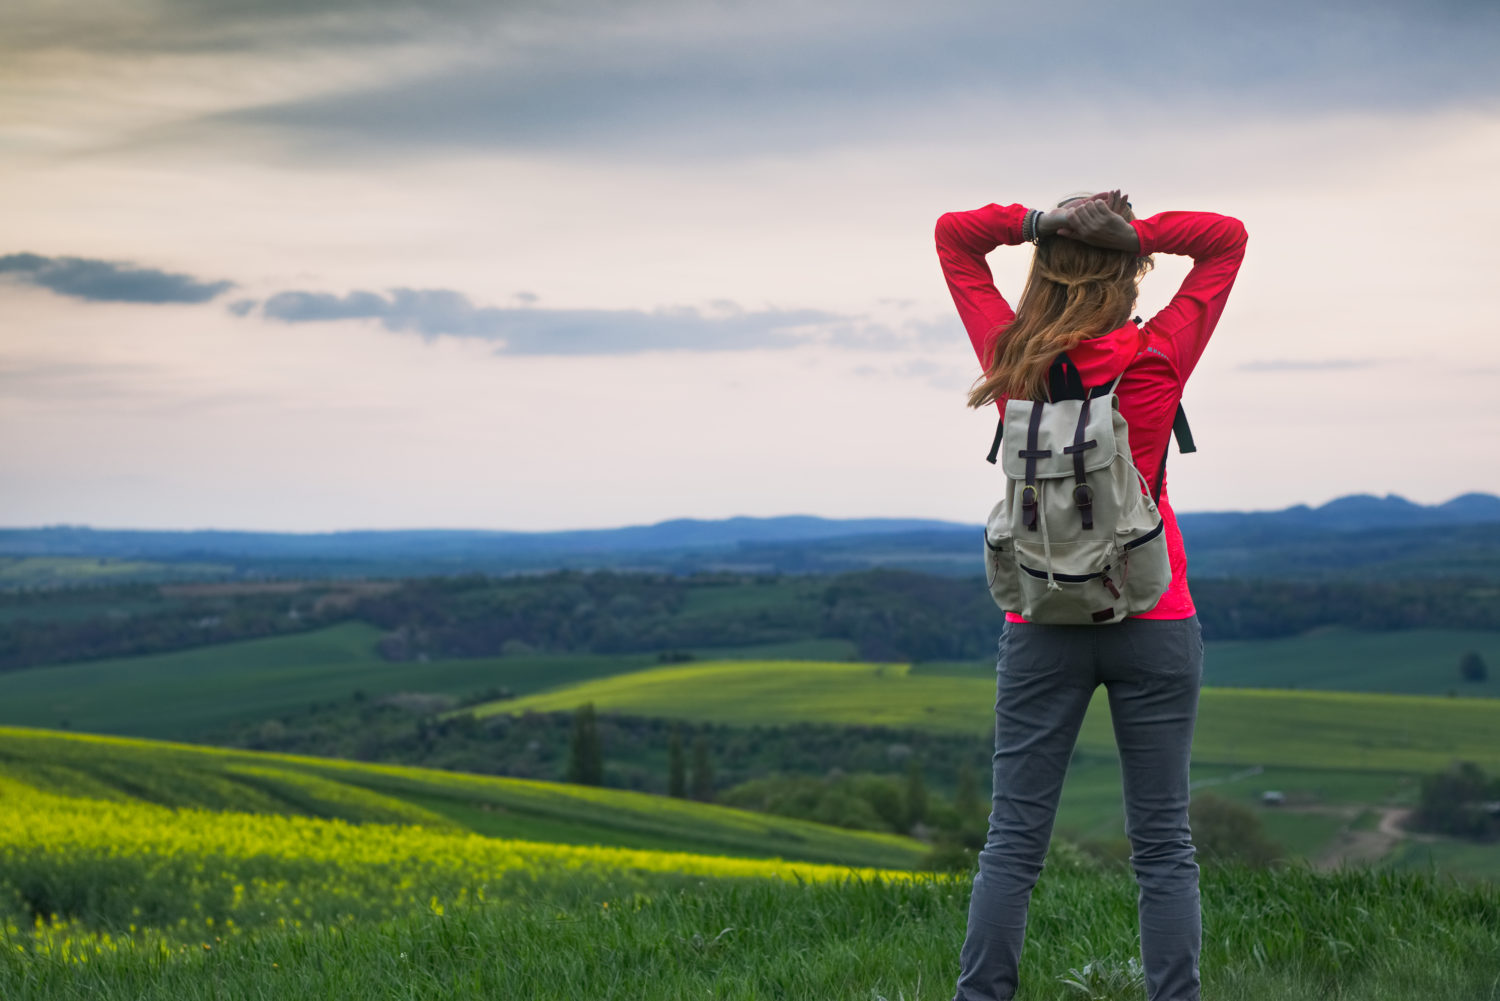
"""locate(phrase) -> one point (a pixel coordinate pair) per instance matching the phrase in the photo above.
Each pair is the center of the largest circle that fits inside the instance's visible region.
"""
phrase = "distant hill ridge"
(81, 540)
(1459, 536)
(1352, 513)
(1362, 511)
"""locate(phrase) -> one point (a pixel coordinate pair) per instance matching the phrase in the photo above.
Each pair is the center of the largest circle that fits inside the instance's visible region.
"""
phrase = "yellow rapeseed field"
(82, 876)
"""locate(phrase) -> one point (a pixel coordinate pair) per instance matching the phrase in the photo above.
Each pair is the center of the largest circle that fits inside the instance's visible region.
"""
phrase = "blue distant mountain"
(1351, 534)
(1355, 513)
(678, 533)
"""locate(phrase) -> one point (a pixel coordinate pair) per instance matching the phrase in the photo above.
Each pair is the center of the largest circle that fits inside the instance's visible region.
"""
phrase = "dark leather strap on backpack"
(1083, 494)
(1064, 383)
(1031, 453)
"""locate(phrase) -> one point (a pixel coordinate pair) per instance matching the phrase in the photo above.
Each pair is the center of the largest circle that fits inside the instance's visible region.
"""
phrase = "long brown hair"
(1074, 291)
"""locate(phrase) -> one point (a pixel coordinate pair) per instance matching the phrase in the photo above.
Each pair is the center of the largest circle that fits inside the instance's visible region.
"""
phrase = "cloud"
(672, 79)
(175, 27)
(1306, 364)
(106, 281)
(529, 331)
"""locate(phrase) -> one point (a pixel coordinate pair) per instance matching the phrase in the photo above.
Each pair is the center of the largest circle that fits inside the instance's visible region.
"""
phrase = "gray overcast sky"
(370, 263)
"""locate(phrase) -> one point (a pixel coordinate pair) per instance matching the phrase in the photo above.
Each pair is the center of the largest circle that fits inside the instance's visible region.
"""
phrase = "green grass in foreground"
(1290, 936)
(1343, 730)
(184, 776)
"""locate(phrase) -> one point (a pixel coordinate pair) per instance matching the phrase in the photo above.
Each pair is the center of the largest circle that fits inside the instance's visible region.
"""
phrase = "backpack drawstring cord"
(1145, 487)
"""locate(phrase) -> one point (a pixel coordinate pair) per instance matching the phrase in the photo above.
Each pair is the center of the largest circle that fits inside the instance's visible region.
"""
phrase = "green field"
(45, 571)
(187, 692)
(1449, 856)
(1328, 753)
(198, 691)
(188, 777)
(1408, 662)
(1337, 730)
(1403, 662)
(1321, 749)
(190, 692)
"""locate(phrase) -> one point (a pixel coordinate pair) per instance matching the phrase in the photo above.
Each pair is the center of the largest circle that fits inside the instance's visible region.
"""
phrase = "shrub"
(1225, 831)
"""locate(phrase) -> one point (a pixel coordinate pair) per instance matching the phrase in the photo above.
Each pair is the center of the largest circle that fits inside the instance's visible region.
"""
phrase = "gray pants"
(1152, 670)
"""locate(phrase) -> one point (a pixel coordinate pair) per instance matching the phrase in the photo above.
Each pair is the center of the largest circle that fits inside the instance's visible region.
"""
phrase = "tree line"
(886, 615)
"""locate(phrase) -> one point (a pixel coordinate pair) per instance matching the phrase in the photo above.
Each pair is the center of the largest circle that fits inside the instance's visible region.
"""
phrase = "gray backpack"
(1077, 538)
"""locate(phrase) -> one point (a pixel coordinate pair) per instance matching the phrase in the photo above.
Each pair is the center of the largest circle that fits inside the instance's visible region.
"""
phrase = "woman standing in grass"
(1071, 333)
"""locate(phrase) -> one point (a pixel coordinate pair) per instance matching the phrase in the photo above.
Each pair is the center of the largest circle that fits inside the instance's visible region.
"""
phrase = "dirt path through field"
(1359, 847)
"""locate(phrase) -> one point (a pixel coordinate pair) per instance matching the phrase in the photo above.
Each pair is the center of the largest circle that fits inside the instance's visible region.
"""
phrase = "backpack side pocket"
(1147, 570)
(1001, 573)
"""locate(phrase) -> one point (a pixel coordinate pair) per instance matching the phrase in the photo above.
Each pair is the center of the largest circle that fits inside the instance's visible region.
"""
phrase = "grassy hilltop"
(131, 870)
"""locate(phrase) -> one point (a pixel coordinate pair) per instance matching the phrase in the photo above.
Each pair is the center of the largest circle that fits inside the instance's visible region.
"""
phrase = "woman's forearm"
(963, 239)
(1199, 235)
(1216, 243)
(981, 230)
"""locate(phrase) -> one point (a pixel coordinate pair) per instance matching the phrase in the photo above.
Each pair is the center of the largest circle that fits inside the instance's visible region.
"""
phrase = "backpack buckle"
(1083, 496)
(1028, 504)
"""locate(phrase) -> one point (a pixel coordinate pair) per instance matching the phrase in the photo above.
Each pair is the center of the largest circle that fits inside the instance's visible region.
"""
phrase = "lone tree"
(676, 765)
(703, 773)
(586, 754)
(1471, 667)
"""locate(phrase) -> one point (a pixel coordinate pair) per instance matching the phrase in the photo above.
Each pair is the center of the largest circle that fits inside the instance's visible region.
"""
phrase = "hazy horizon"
(663, 521)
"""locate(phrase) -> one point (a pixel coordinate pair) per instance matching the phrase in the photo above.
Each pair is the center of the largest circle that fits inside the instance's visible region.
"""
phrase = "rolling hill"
(187, 693)
(189, 777)
(1263, 727)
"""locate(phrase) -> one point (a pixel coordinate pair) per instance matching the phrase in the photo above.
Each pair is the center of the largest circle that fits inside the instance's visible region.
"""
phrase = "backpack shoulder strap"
(1063, 383)
(1182, 432)
(1180, 428)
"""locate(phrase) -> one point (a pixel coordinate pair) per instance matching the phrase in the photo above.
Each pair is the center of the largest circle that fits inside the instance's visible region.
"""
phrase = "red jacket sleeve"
(1216, 243)
(963, 238)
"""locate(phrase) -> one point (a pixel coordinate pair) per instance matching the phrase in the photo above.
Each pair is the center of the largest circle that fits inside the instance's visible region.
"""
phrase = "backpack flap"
(1054, 442)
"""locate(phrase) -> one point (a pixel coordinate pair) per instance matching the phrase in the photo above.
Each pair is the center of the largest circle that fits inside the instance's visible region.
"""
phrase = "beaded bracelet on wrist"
(1033, 233)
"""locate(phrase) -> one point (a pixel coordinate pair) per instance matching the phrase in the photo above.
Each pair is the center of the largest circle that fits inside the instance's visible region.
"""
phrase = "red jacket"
(1156, 357)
